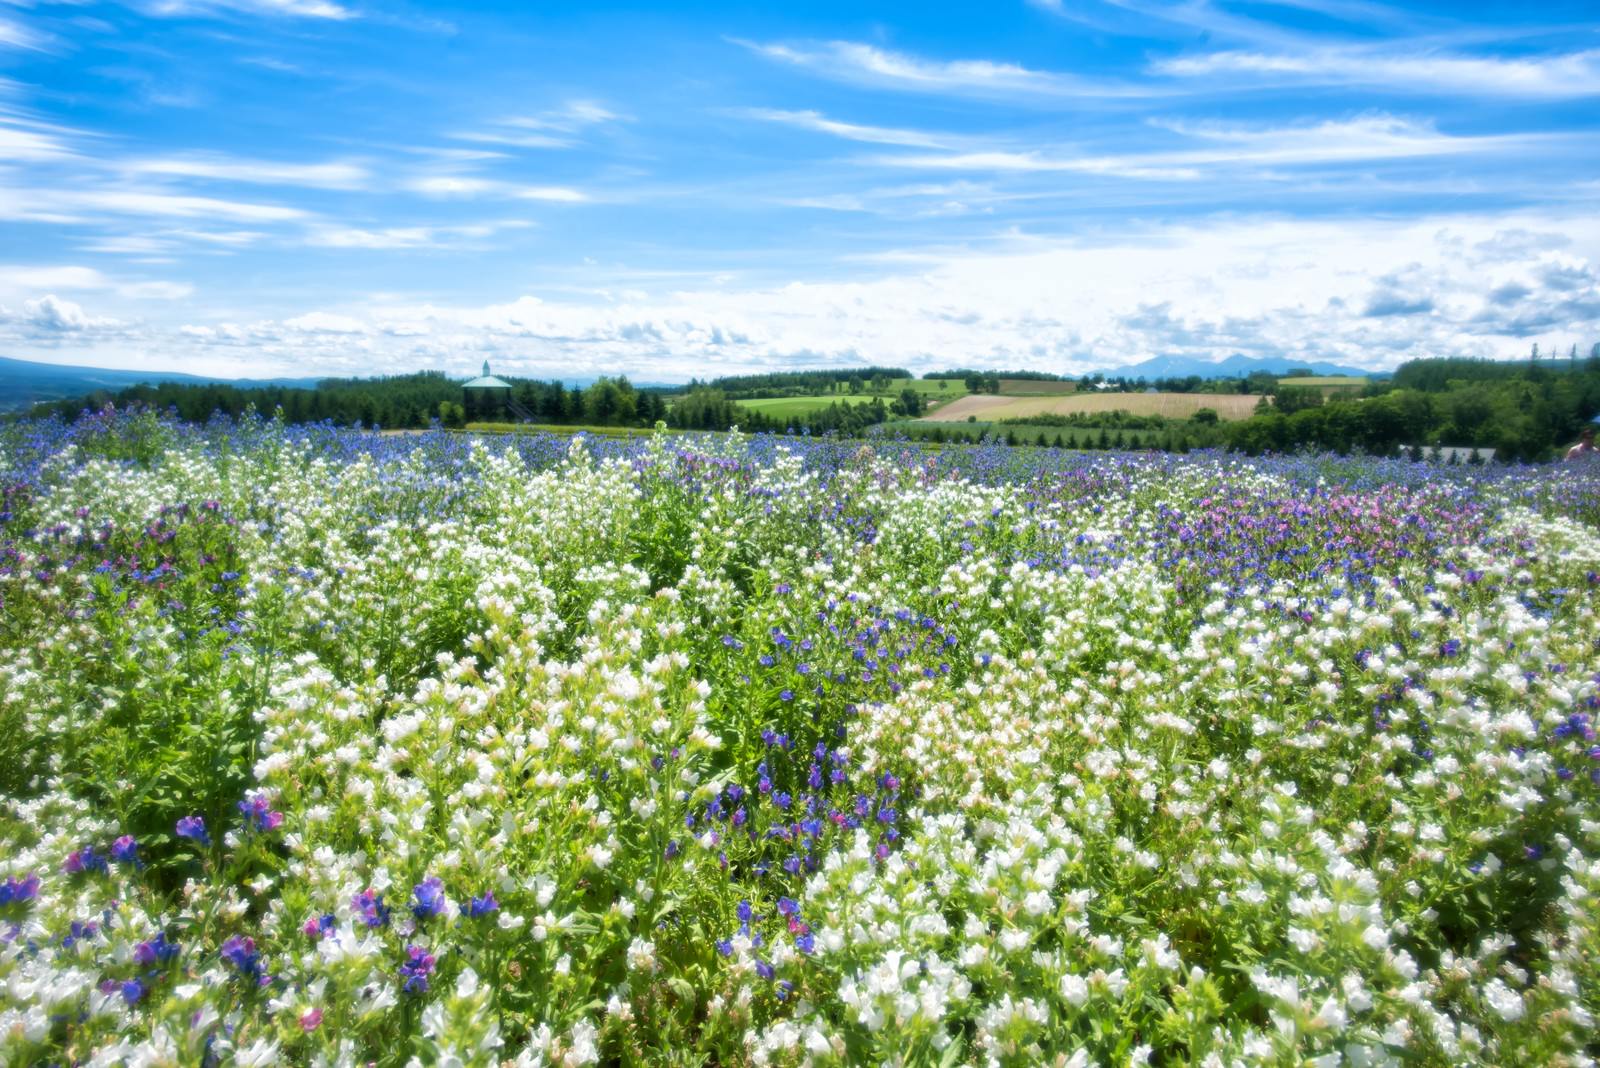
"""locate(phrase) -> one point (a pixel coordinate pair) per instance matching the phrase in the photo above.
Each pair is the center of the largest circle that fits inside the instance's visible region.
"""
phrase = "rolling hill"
(24, 382)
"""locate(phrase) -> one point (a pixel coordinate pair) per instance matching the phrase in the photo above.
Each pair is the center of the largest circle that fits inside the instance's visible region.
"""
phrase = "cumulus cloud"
(1368, 294)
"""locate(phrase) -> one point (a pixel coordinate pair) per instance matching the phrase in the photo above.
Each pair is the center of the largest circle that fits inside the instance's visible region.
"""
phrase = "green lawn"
(557, 428)
(787, 407)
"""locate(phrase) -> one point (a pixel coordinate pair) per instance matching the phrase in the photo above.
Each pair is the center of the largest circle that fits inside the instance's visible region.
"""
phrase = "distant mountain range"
(24, 382)
(1232, 367)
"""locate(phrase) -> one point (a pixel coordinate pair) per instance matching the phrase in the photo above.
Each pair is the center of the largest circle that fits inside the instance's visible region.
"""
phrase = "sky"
(304, 187)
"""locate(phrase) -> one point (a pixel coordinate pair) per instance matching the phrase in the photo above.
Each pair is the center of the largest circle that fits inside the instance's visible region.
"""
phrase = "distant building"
(486, 397)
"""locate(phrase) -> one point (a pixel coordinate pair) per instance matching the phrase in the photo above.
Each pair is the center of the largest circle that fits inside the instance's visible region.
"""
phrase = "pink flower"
(310, 1020)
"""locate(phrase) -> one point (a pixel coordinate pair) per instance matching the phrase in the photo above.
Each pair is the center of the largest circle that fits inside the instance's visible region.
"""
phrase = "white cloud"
(403, 237)
(14, 34)
(325, 323)
(1368, 293)
(315, 9)
(53, 313)
(1369, 138)
(41, 204)
(261, 172)
(555, 128)
(25, 141)
(49, 316)
(570, 117)
(449, 185)
(1572, 75)
(863, 63)
(881, 135)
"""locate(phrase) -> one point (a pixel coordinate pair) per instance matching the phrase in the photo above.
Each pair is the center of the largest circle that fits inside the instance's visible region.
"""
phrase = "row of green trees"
(392, 402)
(1524, 411)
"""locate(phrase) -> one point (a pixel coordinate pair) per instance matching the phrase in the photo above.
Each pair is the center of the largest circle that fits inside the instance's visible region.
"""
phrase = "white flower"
(1074, 990)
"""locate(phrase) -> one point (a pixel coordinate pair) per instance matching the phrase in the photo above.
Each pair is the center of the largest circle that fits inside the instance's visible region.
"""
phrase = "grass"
(789, 407)
(558, 428)
(1023, 434)
(792, 407)
(1169, 405)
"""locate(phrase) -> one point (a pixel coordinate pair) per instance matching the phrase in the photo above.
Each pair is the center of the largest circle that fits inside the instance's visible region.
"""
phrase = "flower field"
(325, 747)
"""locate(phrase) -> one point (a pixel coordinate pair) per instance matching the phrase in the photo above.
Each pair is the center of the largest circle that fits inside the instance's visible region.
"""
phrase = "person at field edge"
(1584, 449)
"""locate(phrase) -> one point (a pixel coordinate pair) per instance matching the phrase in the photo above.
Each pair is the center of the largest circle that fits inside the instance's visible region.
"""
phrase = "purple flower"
(763, 969)
(787, 906)
(370, 907)
(257, 813)
(155, 951)
(240, 952)
(82, 860)
(132, 991)
(428, 898)
(194, 827)
(125, 850)
(321, 926)
(482, 906)
(19, 890)
(416, 968)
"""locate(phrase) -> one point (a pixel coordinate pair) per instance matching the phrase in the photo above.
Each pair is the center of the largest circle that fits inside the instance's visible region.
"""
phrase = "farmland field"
(323, 747)
(1330, 385)
(1352, 381)
(1170, 405)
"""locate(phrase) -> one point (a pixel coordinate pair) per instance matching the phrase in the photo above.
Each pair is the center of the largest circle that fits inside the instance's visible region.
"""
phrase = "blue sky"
(261, 187)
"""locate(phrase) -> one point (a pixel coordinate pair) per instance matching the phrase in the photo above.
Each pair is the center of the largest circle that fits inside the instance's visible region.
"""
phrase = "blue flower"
(416, 968)
(240, 952)
(194, 827)
(428, 898)
(483, 905)
(370, 907)
(155, 951)
(125, 850)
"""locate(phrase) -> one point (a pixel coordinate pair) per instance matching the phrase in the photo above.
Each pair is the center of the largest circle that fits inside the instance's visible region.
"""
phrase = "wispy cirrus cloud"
(1415, 69)
(407, 237)
(85, 205)
(14, 34)
(852, 61)
(471, 186)
(1368, 138)
(337, 175)
(313, 9)
(850, 131)
(558, 127)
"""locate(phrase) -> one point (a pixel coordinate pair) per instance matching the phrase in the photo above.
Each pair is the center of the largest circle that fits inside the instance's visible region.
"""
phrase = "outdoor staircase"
(519, 411)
